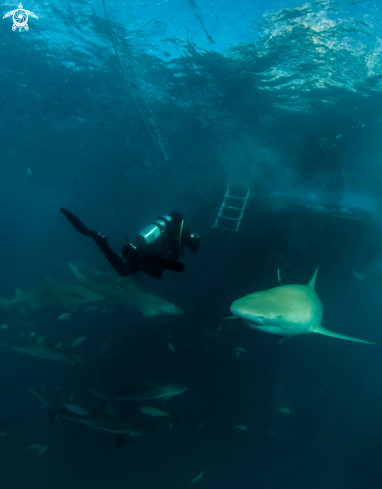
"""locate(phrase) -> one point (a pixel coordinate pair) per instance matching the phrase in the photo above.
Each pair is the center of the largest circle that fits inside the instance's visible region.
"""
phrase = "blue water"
(122, 112)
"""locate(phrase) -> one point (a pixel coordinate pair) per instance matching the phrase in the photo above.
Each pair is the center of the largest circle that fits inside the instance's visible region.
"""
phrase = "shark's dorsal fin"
(81, 279)
(109, 409)
(41, 340)
(312, 282)
(18, 292)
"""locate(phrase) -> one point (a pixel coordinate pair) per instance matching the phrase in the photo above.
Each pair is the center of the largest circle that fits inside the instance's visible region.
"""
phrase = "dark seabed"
(123, 112)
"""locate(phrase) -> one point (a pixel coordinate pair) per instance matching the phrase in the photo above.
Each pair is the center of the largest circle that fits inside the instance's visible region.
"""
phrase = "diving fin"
(77, 224)
(320, 330)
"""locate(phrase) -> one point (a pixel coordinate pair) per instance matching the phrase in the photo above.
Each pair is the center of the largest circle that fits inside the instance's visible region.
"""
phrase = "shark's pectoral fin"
(280, 339)
(321, 330)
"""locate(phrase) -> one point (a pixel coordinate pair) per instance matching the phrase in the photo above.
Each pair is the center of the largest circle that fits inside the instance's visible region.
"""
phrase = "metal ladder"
(232, 208)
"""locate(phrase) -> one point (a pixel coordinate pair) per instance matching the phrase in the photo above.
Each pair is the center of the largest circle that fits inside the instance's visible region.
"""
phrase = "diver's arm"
(179, 228)
(190, 240)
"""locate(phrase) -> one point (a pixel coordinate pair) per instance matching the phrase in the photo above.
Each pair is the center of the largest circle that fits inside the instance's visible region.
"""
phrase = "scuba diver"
(157, 249)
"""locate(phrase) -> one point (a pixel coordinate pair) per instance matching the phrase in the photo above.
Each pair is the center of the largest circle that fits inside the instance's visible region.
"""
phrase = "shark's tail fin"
(326, 332)
(5, 303)
(101, 395)
(47, 405)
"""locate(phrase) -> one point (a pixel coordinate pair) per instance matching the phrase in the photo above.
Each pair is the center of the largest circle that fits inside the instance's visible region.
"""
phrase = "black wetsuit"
(158, 256)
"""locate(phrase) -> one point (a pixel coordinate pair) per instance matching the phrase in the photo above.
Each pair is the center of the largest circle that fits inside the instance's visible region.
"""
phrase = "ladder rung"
(239, 209)
(230, 207)
(234, 197)
(227, 229)
(230, 218)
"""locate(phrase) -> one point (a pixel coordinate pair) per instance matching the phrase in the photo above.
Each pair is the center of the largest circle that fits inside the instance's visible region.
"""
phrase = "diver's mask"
(152, 232)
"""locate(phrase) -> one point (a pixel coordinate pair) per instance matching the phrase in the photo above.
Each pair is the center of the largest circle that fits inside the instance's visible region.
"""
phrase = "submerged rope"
(157, 140)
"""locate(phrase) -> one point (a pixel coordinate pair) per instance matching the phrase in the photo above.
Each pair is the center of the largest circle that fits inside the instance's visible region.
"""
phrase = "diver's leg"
(123, 269)
(159, 262)
(152, 265)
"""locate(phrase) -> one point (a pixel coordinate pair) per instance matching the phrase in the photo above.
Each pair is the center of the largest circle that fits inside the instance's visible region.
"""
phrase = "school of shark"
(284, 311)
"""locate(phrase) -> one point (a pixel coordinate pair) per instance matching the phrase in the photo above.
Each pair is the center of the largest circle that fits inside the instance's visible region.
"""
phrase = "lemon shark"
(128, 296)
(107, 420)
(39, 349)
(163, 391)
(66, 295)
(287, 310)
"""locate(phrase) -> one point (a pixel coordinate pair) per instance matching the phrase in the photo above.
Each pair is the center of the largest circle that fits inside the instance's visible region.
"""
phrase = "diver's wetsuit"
(161, 254)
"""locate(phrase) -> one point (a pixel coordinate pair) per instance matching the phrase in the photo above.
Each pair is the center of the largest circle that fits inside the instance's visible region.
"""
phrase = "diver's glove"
(81, 228)
(194, 242)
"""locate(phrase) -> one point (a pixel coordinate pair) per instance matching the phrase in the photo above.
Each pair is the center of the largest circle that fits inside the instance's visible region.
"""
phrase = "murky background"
(122, 112)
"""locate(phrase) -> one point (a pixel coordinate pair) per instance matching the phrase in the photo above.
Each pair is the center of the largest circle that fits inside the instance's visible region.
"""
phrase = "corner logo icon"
(20, 17)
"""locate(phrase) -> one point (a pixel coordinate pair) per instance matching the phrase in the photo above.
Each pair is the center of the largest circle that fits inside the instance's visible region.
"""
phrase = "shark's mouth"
(252, 320)
(256, 321)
